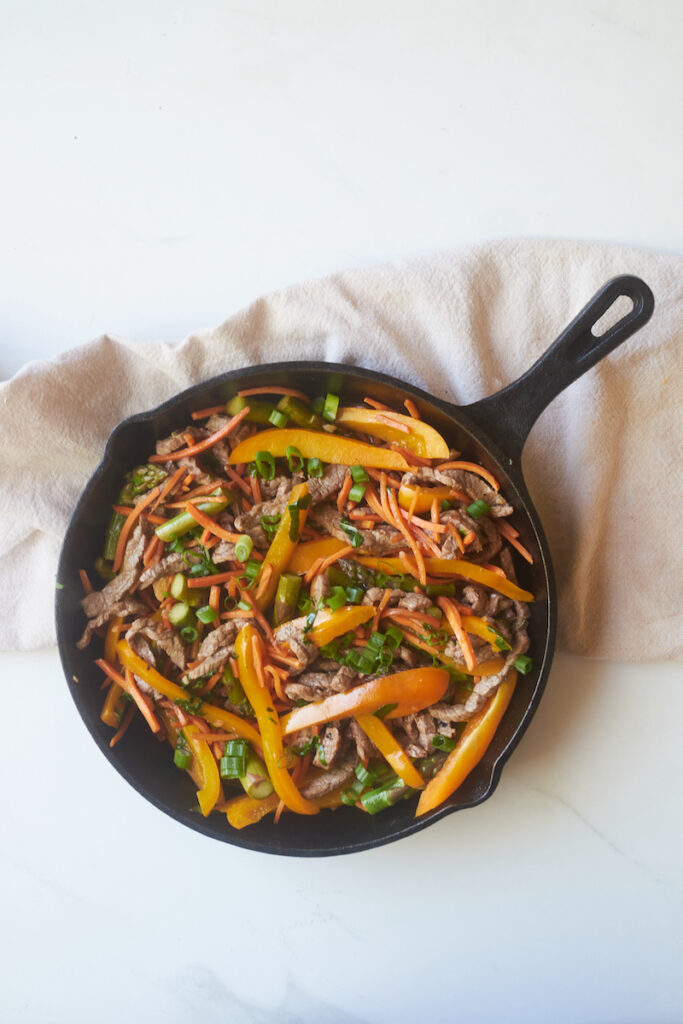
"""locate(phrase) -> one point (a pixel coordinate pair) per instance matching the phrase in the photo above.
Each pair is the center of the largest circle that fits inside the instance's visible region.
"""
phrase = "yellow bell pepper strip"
(331, 624)
(282, 546)
(310, 551)
(244, 810)
(412, 434)
(248, 646)
(471, 747)
(416, 688)
(425, 496)
(311, 444)
(113, 702)
(454, 567)
(389, 747)
(481, 628)
(212, 713)
(210, 792)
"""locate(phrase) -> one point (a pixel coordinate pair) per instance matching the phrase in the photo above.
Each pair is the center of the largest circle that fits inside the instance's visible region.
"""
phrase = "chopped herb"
(443, 743)
(354, 535)
(384, 710)
(192, 707)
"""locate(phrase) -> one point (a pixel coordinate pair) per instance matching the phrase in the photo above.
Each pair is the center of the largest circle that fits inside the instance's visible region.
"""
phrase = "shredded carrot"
(150, 550)
(215, 599)
(403, 428)
(125, 722)
(237, 479)
(283, 658)
(472, 467)
(325, 563)
(313, 571)
(427, 543)
(412, 408)
(169, 485)
(238, 613)
(188, 481)
(469, 538)
(376, 474)
(377, 405)
(412, 544)
(409, 565)
(455, 532)
(209, 524)
(203, 414)
(277, 681)
(211, 683)
(358, 513)
(210, 542)
(208, 442)
(256, 647)
(383, 602)
(274, 391)
(256, 490)
(85, 581)
(494, 568)
(264, 581)
(127, 526)
(209, 581)
(205, 534)
(218, 737)
(188, 438)
(260, 618)
(410, 457)
(128, 684)
(462, 636)
(511, 535)
(344, 492)
(418, 617)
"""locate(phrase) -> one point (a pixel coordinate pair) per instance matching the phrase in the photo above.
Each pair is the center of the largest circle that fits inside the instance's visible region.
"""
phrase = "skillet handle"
(509, 415)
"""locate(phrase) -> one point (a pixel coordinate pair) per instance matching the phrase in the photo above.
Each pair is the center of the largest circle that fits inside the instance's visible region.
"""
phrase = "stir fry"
(313, 604)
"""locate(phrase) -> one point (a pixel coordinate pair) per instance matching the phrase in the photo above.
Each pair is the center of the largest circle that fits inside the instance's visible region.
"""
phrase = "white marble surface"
(163, 163)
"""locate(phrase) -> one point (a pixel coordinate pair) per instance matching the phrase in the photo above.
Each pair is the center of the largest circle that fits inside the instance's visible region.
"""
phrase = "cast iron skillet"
(492, 431)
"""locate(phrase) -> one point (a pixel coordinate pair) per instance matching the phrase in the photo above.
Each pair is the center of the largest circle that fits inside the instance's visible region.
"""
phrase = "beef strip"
(487, 541)
(316, 685)
(330, 747)
(365, 748)
(122, 609)
(320, 588)
(333, 779)
(190, 463)
(398, 598)
(216, 648)
(163, 637)
(475, 596)
(329, 483)
(291, 634)
(486, 686)
(379, 541)
(96, 604)
(418, 729)
(473, 485)
(224, 551)
(250, 522)
(167, 566)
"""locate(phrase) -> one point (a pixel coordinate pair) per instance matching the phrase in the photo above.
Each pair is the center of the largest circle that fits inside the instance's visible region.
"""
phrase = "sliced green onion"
(294, 510)
(385, 657)
(314, 468)
(434, 611)
(367, 664)
(443, 743)
(336, 599)
(252, 569)
(354, 595)
(384, 796)
(265, 465)
(358, 475)
(440, 590)
(244, 605)
(523, 664)
(233, 767)
(295, 459)
(318, 404)
(189, 634)
(259, 412)
(330, 406)
(269, 525)
(243, 548)
(206, 614)
(349, 798)
(304, 603)
(376, 641)
(235, 748)
(357, 492)
(299, 412)
(499, 641)
(478, 508)
(182, 758)
(354, 535)
(278, 418)
(364, 775)
(394, 637)
(445, 505)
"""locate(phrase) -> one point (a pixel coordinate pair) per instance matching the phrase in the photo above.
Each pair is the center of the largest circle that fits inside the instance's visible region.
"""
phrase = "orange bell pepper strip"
(330, 624)
(471, 747)
(113, 702)
(269, 723)
(244, 810)
(282, 547)
(310, 551)
(210, 792)
(416, 688)
(212, 713)
(313, 444)
(389, 747)
(454, 567)
(414, 435)
(425, 496)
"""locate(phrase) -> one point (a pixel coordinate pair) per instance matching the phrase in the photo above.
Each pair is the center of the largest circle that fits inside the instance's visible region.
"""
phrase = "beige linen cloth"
(602, 463)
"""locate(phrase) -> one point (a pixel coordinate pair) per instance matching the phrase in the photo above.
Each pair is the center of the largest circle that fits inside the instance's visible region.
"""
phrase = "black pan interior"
(146, 763)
